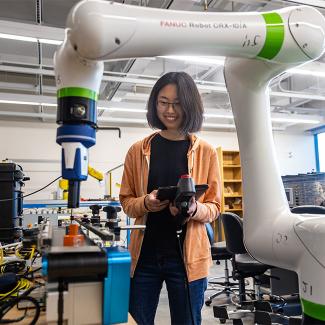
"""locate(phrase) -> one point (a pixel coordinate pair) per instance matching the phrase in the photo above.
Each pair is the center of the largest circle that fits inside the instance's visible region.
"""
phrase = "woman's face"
(169, 110)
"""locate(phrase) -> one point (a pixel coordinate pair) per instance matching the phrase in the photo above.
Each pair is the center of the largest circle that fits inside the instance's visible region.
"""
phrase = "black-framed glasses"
(164, 104)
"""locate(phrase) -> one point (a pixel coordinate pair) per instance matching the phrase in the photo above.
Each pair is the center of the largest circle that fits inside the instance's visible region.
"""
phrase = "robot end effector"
(77, 133)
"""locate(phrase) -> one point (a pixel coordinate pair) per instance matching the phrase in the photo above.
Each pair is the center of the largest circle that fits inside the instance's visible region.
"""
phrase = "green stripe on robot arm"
(313, 310)
(77, 92)
(274, 36)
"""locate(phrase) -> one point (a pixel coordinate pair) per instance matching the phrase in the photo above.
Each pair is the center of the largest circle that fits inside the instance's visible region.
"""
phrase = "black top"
(168, 161)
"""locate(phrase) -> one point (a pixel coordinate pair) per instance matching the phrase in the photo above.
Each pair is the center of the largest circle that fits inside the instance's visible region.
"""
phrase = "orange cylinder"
(73, 238)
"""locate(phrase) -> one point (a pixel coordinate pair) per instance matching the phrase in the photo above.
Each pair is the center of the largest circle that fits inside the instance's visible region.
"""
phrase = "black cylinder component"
(111, 213)
(85, 219)
(74, 194)
(76, 110)
(11, 201)
(77, 266)
(113, 220)
(95, 219)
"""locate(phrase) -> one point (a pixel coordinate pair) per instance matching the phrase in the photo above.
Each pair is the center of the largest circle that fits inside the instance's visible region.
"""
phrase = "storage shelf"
(231, 182)
(230, 151)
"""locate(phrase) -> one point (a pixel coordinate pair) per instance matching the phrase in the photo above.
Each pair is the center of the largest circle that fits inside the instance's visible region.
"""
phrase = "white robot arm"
(259, 46)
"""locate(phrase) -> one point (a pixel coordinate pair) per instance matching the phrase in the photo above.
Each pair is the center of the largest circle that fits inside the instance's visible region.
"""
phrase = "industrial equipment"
(258, 46)
(83, 260)
(12, 179)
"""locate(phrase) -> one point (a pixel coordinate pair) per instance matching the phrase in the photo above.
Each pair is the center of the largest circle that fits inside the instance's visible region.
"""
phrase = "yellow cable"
(29, 251)
(22, 284)
(32, 253)
(17, 253)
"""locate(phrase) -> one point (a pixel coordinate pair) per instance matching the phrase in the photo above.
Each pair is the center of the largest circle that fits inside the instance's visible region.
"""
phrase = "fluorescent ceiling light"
(218, 125)
(48, 104)
(218, 60)
(50, 41)
(123, 120)
(120, 109)
(273, 119)
(116, 99)
(18, 102)
(18, 38)
(294, 120)
(212, 115)
(232, 126)
(30, 39)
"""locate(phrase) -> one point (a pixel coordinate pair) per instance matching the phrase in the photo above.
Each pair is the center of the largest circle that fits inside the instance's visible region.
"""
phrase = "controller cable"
(178, 234)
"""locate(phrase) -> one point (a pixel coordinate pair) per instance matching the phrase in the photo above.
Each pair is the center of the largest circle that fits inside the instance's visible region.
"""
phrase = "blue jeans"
(146, 286)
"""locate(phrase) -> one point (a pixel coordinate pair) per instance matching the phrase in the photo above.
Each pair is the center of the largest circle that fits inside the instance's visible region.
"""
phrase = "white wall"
(295, 151)
(36, 142)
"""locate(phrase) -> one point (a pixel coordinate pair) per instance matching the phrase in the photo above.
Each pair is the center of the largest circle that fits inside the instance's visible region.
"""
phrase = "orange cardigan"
(203, 167)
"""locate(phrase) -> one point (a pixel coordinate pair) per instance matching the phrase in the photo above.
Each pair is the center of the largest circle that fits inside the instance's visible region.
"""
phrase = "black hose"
(60, 303)
(15, 302)
(29, 194)
(178, 233)
(110, 128)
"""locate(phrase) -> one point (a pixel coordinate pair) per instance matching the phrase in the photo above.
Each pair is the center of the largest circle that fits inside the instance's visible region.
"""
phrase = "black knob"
(111, 211)
(40, 219)
(85, 219)
(95, 209)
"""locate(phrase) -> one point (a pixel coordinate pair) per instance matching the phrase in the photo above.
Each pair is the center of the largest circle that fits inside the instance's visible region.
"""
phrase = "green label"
(313, 310)
(77, 92)
(274, 36)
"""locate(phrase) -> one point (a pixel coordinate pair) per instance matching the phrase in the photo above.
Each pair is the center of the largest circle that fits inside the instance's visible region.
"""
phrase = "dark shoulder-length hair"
(188, 96)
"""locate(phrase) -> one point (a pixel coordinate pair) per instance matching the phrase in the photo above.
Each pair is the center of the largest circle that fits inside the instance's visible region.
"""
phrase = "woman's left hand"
(191, 211)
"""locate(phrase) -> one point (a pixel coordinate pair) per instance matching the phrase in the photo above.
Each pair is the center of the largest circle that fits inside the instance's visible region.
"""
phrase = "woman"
(175, 108)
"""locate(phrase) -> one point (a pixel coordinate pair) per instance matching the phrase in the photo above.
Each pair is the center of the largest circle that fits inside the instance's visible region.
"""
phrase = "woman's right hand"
(153, 204)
